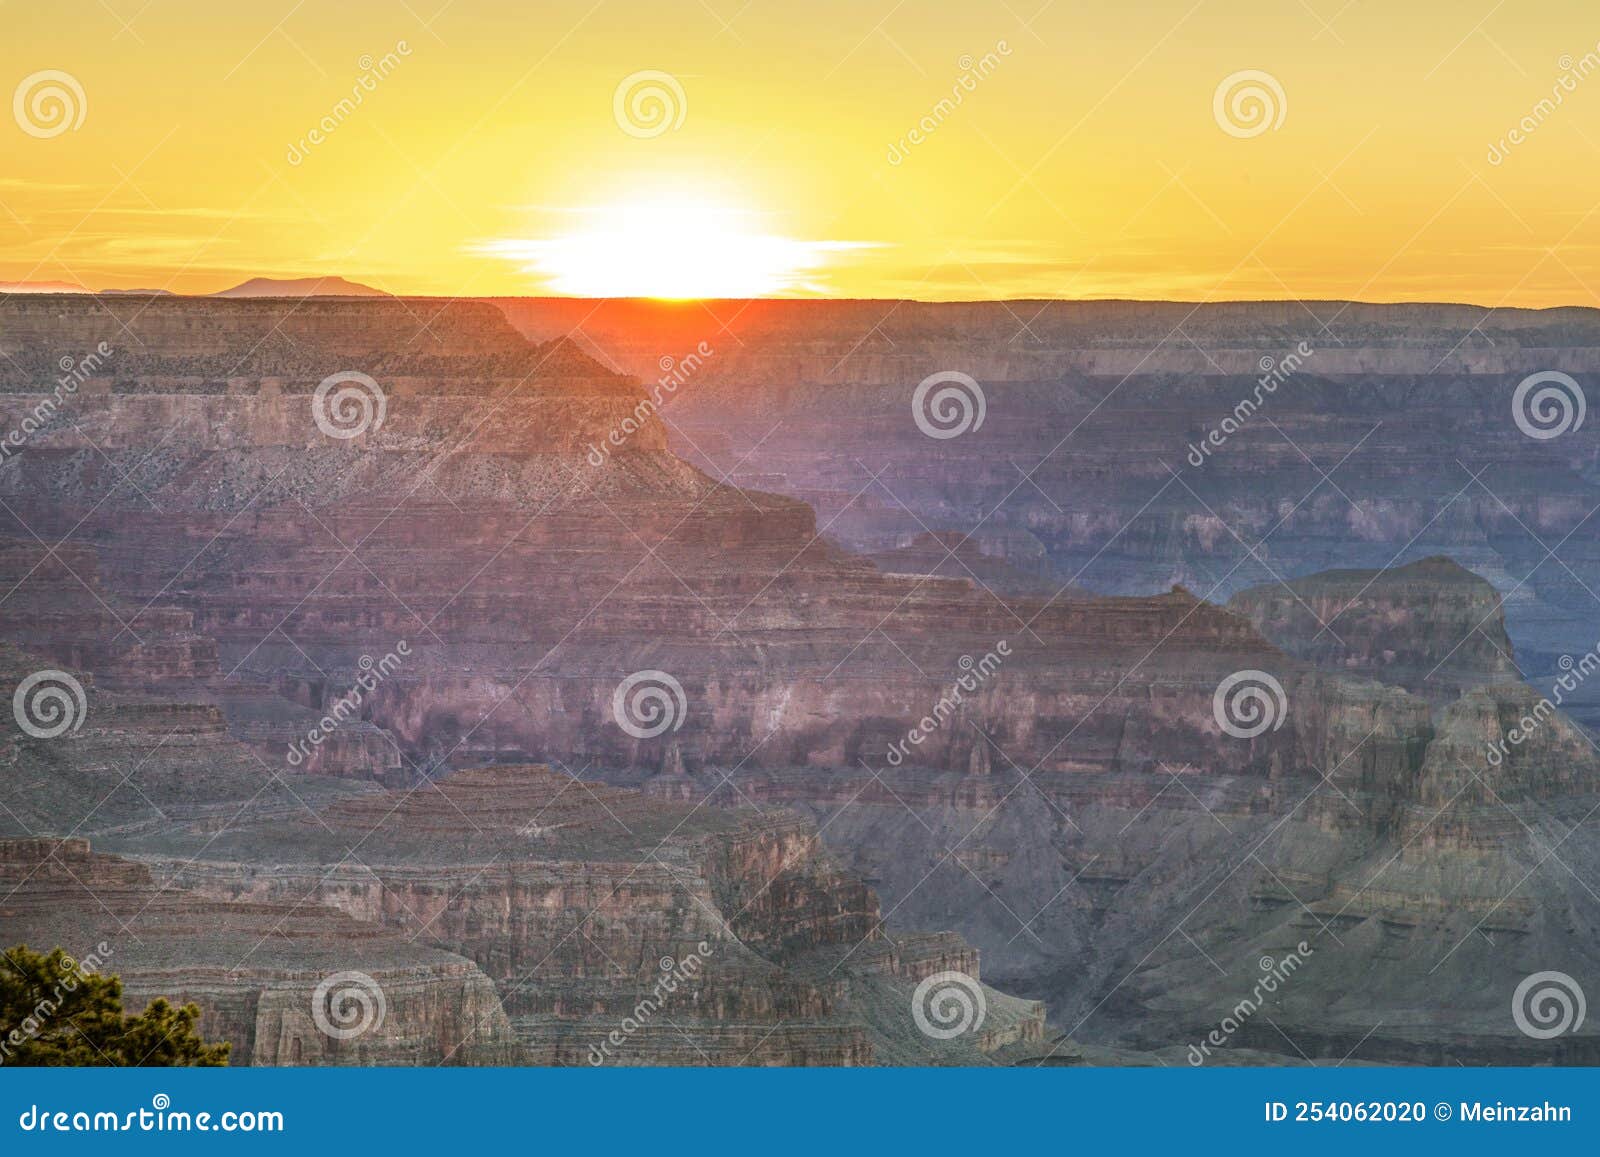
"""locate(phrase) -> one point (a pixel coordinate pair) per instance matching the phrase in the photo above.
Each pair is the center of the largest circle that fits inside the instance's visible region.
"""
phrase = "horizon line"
(1198, 303)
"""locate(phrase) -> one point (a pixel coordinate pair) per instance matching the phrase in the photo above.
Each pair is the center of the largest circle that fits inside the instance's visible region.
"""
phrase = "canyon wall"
(1390, 435)
(514, 567)
(254, 969)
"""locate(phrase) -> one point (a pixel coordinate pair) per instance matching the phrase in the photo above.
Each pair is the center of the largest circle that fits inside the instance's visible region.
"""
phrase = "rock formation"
(254, 968)
(1393, 439)
(752, 732)
(1432, 627)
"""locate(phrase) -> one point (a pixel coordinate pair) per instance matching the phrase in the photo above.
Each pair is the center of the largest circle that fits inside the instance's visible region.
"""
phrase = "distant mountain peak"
(42, 287)
(300, 287)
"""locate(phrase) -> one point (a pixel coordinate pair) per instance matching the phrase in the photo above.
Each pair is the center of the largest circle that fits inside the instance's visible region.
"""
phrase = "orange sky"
(1088, 154)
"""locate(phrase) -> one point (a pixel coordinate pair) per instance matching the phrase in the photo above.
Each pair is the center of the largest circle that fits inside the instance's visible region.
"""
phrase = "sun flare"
(674, 249)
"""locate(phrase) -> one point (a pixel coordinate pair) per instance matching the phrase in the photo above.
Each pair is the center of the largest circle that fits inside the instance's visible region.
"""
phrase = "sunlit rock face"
(1020, 739)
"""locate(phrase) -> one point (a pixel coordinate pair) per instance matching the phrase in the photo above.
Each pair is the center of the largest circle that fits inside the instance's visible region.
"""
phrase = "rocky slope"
(510, 915)
(518, 585)
(255, 969)
(1395, 437)
(577, 898)
(1103, 794)
(58, 608)
(1425, 881)
(127, 761)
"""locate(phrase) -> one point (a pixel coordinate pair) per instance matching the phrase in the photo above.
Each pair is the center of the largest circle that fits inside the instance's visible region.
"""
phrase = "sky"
(873, 148)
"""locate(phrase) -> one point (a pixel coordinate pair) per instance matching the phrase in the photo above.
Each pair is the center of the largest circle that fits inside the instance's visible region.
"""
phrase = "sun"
(670, 248)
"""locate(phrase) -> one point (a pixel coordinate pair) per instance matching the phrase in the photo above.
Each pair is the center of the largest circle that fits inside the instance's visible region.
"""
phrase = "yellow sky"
(1087, 159)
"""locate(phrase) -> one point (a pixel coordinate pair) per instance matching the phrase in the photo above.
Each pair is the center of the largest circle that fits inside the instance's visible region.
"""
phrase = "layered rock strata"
(1136, 444)
(579, 899)
(255, 969)
(1432, 627)
(1050, 774)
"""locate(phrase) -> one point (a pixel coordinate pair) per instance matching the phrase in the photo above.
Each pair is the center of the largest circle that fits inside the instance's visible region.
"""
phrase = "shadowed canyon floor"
(360, 703)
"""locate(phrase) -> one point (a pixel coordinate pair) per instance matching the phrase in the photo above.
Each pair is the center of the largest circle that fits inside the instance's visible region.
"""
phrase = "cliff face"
(254, 969)
(1061, 779)
(440, 553)
(57, 606)
(1424, 881)
(134, 761)
(60, 610)
(1417, 946)
(577, 899)
(1392, 440)
(216, 342)
(510, 915)
(1432, 627)
(527, 580)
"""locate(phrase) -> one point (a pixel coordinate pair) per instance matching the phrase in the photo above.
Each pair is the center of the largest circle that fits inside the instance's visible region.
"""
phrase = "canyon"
(1393, 438)
(908, 703)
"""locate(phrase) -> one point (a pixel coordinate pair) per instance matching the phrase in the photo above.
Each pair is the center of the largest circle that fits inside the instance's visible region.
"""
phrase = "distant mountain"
(138, 293)
(41, 287)
(300, 287)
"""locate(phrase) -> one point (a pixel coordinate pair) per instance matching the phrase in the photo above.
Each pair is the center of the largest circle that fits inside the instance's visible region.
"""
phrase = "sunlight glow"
(670, 249)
